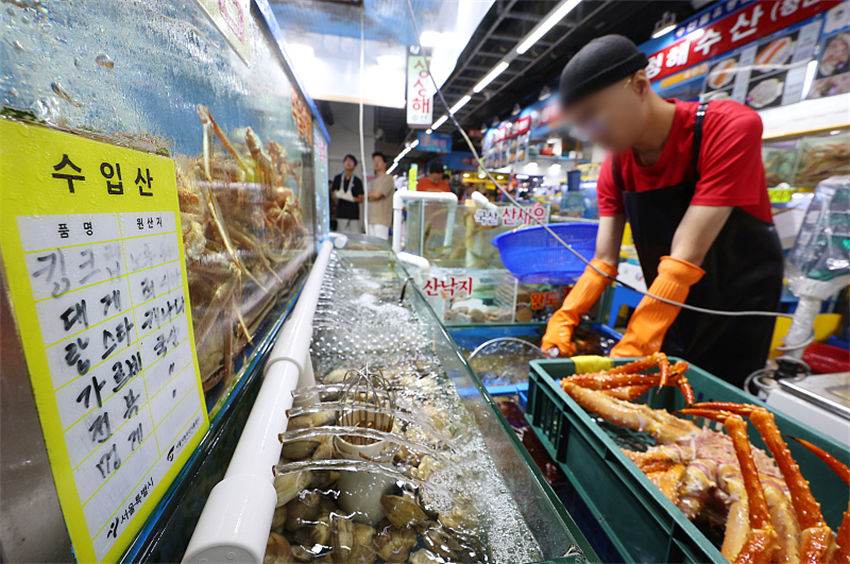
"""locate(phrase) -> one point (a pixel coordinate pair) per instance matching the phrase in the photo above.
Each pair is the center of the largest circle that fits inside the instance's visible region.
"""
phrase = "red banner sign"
(755, 21)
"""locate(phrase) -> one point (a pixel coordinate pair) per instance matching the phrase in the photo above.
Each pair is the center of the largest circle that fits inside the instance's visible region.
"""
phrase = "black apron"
(743, 271)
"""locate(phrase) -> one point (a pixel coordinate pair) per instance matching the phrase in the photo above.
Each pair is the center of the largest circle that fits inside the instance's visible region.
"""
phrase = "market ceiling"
(503, 29)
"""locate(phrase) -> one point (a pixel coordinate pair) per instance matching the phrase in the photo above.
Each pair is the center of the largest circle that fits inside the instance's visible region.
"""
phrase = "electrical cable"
(555, 235)
(362, 136)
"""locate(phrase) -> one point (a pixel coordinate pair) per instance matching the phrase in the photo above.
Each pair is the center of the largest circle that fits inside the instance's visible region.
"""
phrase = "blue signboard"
(434, 142)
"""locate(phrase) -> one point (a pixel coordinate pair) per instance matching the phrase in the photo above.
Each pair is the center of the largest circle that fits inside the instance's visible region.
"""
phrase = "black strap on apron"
(743, 272)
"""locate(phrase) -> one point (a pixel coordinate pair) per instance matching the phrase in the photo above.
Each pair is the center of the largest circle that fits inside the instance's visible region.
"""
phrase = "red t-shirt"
(425, 185)
(730, 166)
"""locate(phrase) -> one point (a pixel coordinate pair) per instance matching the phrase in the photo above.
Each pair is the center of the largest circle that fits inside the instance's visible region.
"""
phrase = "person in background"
(380, 200)
(689, 179)
(433, 181)
(347, 190)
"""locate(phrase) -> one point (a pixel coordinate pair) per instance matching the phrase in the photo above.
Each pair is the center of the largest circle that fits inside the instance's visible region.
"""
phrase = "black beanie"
(600, 63)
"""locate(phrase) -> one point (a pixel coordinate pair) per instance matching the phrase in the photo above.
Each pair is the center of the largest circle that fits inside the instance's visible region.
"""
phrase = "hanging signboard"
(94, 260)
(420, 93)
(434, 142)
(233, 20)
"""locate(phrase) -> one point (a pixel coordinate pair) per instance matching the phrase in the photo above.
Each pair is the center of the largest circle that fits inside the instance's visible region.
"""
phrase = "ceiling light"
(393, 61)
(300, 51)
(413, 145)
(430, 38)
(665, 25)
(516, 110)
(436, 125)
(429, 131)
(460, 103)
(490, 76)
(556, 15)
(545, 93)
(392, 168)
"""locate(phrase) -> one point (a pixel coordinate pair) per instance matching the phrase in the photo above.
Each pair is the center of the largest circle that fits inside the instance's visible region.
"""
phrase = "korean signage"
(755, 52)
(448, 287)
(511, 216)
(755, 20)
(91, 242)
(434, 142)
(233, 20)
(420, 91)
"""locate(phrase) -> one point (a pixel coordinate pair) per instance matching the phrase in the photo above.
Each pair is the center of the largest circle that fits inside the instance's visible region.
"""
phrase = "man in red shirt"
(433, 182)
(689, 179)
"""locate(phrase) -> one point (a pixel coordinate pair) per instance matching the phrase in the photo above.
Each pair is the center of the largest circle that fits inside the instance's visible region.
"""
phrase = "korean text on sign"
(102, 306)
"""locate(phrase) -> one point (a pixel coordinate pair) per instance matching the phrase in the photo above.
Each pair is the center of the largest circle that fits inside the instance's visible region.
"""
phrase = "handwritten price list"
(103, 308)
(109, 296)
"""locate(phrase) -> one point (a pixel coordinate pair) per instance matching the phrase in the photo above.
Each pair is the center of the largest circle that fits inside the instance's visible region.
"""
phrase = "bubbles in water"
(360, 322)
(104, 61)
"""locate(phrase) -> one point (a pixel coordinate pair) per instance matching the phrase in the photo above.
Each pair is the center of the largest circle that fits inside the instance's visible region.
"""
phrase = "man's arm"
(697, 232)
(609, 238)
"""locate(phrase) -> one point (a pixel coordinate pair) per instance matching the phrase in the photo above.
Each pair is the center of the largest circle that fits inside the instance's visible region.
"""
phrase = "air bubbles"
(104, 61)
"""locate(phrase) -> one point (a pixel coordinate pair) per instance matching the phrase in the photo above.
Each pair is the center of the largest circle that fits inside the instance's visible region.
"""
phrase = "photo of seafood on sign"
(102, 307)
(833, 74)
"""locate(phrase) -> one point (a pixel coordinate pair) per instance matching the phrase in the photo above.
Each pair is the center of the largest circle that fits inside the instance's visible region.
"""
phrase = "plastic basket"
(535, 257)
(641, 523)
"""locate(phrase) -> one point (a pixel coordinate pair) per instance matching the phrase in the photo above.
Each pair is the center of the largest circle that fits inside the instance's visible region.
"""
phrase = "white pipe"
(482, 200)
(423, 264)
(402, 196)
(237, 516)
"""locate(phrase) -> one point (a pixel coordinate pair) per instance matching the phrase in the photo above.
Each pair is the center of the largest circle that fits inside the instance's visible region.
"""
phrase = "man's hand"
(374, 196)
(676, 274)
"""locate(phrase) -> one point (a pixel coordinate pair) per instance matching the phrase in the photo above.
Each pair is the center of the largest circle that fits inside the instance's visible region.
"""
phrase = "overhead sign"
(434, 142)
(91, 242)
(420, 91)
(752, 21)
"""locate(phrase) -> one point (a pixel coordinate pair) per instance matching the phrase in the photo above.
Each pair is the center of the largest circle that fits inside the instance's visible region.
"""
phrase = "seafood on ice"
(765, 503)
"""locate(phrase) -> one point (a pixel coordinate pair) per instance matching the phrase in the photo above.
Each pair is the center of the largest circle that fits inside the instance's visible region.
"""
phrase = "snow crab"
(244, 235)
(765, 503)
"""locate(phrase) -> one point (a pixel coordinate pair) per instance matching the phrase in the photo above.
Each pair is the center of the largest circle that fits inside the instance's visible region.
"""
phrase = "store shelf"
(808, 116)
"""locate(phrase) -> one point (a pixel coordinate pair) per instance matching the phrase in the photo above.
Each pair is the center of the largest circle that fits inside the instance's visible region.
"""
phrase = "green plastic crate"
(641, 523)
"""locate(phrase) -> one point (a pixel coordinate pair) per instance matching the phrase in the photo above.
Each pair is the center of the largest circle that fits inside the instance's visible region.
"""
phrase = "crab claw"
(715, 415)
(742, 409)
(837, 466)
(842, 537)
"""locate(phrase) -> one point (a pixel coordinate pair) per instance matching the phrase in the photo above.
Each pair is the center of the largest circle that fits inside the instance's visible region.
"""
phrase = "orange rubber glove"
(652, 318)
(591, 284)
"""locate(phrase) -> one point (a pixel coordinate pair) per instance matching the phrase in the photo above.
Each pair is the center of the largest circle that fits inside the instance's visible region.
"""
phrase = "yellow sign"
(93, 255)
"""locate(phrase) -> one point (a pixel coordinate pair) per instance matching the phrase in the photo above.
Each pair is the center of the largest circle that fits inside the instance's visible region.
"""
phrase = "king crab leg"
(761, 539)
(842, 537)
(817, 540)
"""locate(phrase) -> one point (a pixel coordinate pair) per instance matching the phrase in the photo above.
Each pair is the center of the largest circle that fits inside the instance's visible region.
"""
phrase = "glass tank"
(460, 235)
(215, 96)
(398, 454)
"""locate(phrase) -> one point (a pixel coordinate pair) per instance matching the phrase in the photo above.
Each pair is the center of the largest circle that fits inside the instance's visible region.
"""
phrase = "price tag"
(91, 243)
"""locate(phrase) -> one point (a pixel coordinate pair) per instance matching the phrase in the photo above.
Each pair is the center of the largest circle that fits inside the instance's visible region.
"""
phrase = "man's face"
(348, 165)
(435, 177)
(379, 164)
(611, 117)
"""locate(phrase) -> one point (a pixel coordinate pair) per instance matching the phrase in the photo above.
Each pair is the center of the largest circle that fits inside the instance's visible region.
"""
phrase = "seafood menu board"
(766, 73)
(94, 261)
(833, 72)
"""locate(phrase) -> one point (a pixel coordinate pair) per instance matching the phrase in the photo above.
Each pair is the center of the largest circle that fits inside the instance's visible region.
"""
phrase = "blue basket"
(535, 257)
